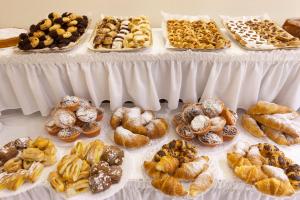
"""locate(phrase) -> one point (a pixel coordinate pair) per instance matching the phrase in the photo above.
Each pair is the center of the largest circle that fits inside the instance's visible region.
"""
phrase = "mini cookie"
(68, 134)
(212, 107)
(86, 114)
(210, 139)
(185, 132)
(113, 155)
(99, 182)
(217, 124)
(229, 132)
(200, 125)
(51, 127)
(71, 103)
(64, 118)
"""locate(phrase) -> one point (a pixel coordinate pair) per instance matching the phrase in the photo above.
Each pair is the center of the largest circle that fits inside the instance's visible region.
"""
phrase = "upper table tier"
(35, 82)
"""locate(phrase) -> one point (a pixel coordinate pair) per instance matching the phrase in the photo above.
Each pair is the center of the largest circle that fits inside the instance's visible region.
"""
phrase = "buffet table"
(138, 187)
(35, 82)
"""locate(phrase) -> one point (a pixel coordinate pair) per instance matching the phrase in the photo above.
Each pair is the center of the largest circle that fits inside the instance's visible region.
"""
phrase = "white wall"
(22, 13)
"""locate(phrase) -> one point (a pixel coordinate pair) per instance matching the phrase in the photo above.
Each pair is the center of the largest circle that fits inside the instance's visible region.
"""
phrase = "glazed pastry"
(7, 153)
(113, 155)
(85, 114)
(33, 154)
(72, 171)
(185, 132)
(275, 172)
(117, 117)
(190, 112)
(217, 124)
(68, 134)
(13, 165)
(169, 185)
(95, 152)
(167, 164)
(64, 163)
(212, 107)
(237, 160)
(56, 182)
(64, 118)
(264, 107)
(126, 138)
(71, 103)
(157, 128)
(35, 171)
(99, 182)
(250, 174)
(273, 186)
(91, 129)
(51, 128)
(89, 147)
(210, 139)
(77, 187)
(293, 173)
(202, 183)
(150, 168)
(41, 143)
(251, 126)
(200, 125)
(178, 119)
(190, 170)
(230, 116)
(229, 132)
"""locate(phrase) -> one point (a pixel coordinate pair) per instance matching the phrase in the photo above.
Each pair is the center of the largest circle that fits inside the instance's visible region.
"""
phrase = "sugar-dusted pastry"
(275, 172)
(212, 107)
(135, 125)
(77, 187)
(7, 153)
(68, 134)
(71, 103)
(185, 132)
(178, 119)
(33, 154)
(117, 117)
(13, 165)
(254, 156)
(35, 171)
(217, 124)
(293, 173)
(150, 169)
(99, 182)
(23, 142)
(91, 129)
(12, 181)
(230, 116)
(113, 155)
(236, 160)
(241, 148)
(51, 127)
(147, 116)
(273, 186)
(250, 174)
(64, 118)
(87, 115)
(251, 126)
(56, 182)
(276, 136)
(126, 138)
(201, 184)
(79, 149)
(169, 185)
(229, 132)
(167, 164)
(264, 107)
(157, 128)
(210, 139)
(190, 170)
(200, 125)
(190, 111)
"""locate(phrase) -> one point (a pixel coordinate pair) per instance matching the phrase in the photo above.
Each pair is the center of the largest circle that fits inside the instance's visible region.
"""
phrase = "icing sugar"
(134, 112)
(254, 151)
(275, 172)
(199, 122)
(67, 132)
(124, 132)
(212, 104)
(241, 147)
(69, 100)
(196, 166)
(147, 116)
(86, 114)
(119, 112)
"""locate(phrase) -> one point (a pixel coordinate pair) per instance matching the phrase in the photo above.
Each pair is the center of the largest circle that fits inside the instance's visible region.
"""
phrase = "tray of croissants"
(25, 163)
(265, 167)
(89, 168)
(178, 169)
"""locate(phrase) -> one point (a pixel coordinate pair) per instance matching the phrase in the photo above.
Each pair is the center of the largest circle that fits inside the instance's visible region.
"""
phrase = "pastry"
(190, 111)
(169, 185)
(91, 129)
(278, 159)
(22, 143)
(210, 139)
(64, 118)
(267, 108)
(100, 113)
(217, 124)
(100, 166)
(229, 132)
(68, 134)
(147, 116)
(190, 170)
(185, 132)
(85, 170)
(71, 103)
(12, 181)
(79, 150)
(33, 154)
(126, 138)
(276, 136)
(230, 116)
(99, 182)
(41, 143)
(96, 150)
(275, 172)
(87, 115)
(135, 125)
(157, 128)
(56, 182)
(64, 163)
(150, 168)
(51, 127)
(201, 184)
(178, 119)
(292, 26)
(7, 153)
(167, 164)
(254, 156)
(72, 171)
(241, 148)
(117, 117)
(251, 126)
(13, 165)
(266, 149)
(250, 174)
(113, 155)
(236, 160)
(77, 187)
(293, 173)
(273, 186)
(212, 107)
(200, 125)
(35, 171)
(115, 173)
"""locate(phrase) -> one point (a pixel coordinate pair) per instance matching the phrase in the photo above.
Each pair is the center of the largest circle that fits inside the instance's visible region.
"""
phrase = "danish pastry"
(13, 165)
(117, 117)
(72, 171)
(64, 163)
(51, 128)
(178, 119)
(56, 182)
(275, 172)
(185, 132)
(77, 187)
(33, 154)
(95, 152)
(157, 128)
(35, 171)
(236, 160)
(126, 138)
(79, 150)
(293, 173)
(7, 153)
(190, 111)
(12, 181)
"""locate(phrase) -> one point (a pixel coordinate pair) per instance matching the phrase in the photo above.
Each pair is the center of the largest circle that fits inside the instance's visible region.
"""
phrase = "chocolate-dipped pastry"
(101, 166)
(59, 21)
(33, 28)
(7, 153)
(23, 36)
(22, 143)
(24, 45)
(99, 182)
(113, 155)
(115, 173)
(54, 15)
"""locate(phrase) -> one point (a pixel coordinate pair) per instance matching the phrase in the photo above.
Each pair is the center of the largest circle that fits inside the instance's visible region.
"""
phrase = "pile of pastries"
(127, 33)
(23, 160)
(274, 121)
(199, 34)
(256, 33)
(134, 127)
(57, 31)
(177, 162)
(266, 167)
(72, 117)
(210, 122)
(92, 166)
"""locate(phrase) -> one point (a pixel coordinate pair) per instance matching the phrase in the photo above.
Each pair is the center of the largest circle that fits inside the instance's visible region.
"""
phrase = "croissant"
(56, 182)
(157, 128)
(190, 170)
(251, 126)
(126, 138)
(169, 185)
(263, 107)
(203, 182)
(135, 125)
(150, 168)
(236, 160)
(167, 164)
(276, 136)
(117, 117)
(273, 186)
(250, 174)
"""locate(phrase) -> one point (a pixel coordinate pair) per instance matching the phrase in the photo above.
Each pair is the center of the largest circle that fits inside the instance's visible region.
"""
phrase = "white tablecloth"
(227, 186)
(35, 82)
